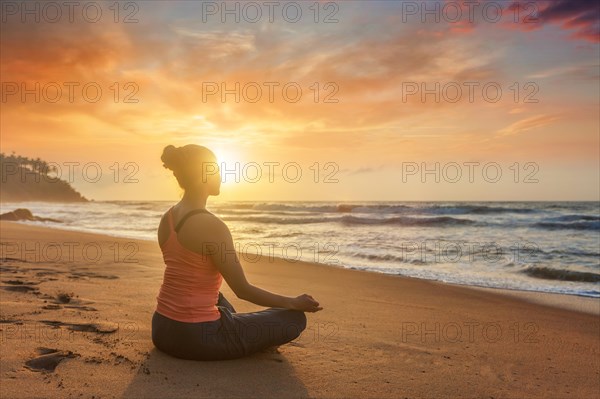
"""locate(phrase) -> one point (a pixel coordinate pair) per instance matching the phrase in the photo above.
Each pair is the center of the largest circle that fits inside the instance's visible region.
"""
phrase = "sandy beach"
(75, 322)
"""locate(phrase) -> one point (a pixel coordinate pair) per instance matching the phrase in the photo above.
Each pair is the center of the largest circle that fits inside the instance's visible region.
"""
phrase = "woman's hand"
(305, 303)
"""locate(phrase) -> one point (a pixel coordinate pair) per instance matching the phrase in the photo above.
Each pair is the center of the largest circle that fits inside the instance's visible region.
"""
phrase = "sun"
(230, 165)
(227, 158)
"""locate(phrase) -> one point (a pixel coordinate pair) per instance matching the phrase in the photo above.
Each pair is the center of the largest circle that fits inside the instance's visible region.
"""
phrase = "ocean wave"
(435, 209)
(591, 206)
(284, 235)
(293, 208)
(149, 208)
(439, 221)
(576, 252)
(408, 221)
(330, 208)
(574, 218)
(531, 248)
(591, 225)
(474, 210)
(252, 212)
(547, 273)
(233, 206)
(275, 220)
(369, 208)
(388, 258)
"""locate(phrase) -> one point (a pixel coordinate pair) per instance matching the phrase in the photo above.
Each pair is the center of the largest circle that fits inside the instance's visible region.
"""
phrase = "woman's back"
(191, 283)
(192, 319)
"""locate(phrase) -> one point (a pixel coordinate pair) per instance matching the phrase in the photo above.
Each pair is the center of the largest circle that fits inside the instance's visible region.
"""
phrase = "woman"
(193, 320)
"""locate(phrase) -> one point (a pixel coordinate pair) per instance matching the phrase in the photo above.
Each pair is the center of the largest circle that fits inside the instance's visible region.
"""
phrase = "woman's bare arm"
(222, 251)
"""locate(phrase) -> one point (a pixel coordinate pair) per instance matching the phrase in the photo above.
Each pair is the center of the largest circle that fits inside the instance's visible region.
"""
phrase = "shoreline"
(577, 303)
(79, 325)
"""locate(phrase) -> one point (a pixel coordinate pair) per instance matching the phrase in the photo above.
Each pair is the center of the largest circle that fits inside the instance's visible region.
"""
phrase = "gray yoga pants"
(232, 336)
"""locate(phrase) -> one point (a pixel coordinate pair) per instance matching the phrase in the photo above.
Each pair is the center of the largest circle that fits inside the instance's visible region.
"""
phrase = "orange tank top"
(191, 283)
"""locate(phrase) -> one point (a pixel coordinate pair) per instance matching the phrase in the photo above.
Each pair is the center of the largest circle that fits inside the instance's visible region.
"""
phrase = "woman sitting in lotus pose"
(193, 320)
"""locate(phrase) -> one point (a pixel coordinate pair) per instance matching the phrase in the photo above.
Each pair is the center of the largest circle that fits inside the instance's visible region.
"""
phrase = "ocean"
(533, 246)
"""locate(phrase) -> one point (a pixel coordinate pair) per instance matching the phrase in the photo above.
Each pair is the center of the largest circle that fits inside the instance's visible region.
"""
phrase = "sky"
(307, 100)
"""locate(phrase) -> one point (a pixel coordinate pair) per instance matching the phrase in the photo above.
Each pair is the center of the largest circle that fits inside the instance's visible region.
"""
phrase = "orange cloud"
(531, 123)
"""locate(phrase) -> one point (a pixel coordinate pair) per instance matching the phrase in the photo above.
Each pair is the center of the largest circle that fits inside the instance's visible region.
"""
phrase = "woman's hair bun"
(185, 162)
(170, 157)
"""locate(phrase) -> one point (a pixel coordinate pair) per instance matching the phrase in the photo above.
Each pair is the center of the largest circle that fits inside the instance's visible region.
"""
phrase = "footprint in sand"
(99, 328)
(48, 359)
(4, 260)
(62, 298)
(11, 321)
(53, 306)
(21, 288)
(19, 282)
(87, 275)
(86, 308)
(72, 301)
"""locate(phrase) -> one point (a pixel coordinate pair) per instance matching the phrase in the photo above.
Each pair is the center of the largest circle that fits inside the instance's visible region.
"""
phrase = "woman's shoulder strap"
(170, 218)
(187, 215)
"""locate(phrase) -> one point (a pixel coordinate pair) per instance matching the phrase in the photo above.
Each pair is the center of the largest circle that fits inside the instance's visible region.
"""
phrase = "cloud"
(217, 44)
(580, 16)
(170, 62)
(368, 55)
(585, 72)
(524, 125)
(363, 170)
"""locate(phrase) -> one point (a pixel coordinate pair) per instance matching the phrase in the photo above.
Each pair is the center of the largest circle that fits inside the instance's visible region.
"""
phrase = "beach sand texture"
(75, 326)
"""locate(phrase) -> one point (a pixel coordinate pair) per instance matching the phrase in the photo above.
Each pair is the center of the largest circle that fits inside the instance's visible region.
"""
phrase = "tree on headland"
(28, 179)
